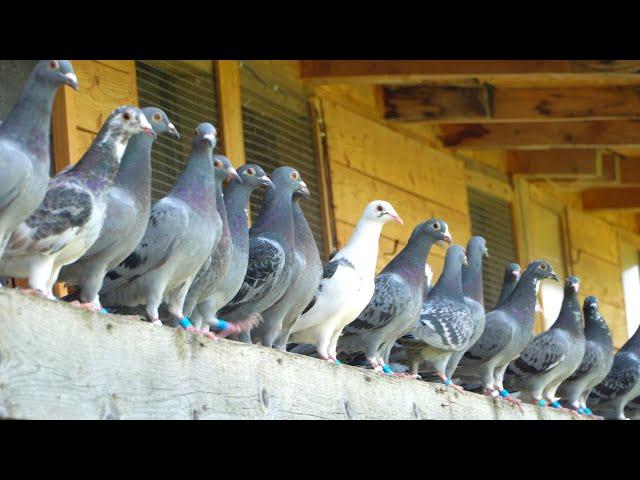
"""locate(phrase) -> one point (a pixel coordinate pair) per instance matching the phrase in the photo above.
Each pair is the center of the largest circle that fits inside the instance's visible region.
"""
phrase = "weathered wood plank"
(592, 235)
(57, 362)
(627, 198)
(228, 89)
(556, 163)
(590, 134)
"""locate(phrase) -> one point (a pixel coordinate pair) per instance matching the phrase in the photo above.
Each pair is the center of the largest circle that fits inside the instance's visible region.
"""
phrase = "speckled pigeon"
(307, 274)
(271, 250)
(551, 357)
(347, 284)
(596, 362)
(128, 206)
(216, 266)
(446, 322)
(511, 277)
(397, 298)
(70, 218)
(622, 383)
(236, 200)
(506, 333)
(182, 230)
(25, 158)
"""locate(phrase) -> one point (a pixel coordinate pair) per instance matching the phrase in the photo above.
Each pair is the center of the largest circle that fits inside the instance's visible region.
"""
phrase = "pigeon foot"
(34, 291)
(85, 306)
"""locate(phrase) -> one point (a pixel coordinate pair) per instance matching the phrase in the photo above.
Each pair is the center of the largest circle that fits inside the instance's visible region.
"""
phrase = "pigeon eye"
(217, 163)
(157, 117)
(126, 116)
(250, 171)
(543, 267)
(54, 65)
(295, 175)
(380, 208)
(436, 226)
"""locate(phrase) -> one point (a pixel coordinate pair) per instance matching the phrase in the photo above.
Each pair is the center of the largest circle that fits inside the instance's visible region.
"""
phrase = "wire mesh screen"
(186, 91)
(491, 218)
(278, 131)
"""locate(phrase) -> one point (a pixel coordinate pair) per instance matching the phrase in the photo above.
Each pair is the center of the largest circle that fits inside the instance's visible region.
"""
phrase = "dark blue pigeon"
(511, 277)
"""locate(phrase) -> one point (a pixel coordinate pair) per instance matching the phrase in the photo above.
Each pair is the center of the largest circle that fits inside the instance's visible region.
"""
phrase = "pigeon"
(271, 250)
(307, 274)
(183, 227)
(216, 266)
(128, 206)
(397, 298)
(596, 362)
(634, 408)
(506, 333)
(622, 383)
(446, 321)
(69, 219)
(25, 159)
(236, 199)
(552, 357)
(473, 296)
(511, 277)
(347, 284)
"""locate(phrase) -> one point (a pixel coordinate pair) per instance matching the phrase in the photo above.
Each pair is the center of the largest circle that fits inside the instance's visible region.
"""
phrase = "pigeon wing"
(542, 354)
(16, 171)
(593, 355)
(444, 324)
(497, 334)
(624, 374)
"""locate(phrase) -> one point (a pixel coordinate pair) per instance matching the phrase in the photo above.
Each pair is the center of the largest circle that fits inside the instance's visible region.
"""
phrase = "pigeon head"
(254, 176)
(541, 269)
(159, 121)
(435, 228)
(477, 247)
(56, 73)
(205, 137)
(224, 169)
(456, 256)
(590, 305)
(513, 270)
(572, 284)
(289, 179)
(381, 211)
(127, 121)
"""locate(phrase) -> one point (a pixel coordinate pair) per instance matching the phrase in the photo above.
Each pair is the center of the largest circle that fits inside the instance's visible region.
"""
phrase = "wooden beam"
(64, 120)
(593, 134)
(630, 170)
(611, 198)
(483, 103)
(228, 88)
(511, 71)
(554, 163)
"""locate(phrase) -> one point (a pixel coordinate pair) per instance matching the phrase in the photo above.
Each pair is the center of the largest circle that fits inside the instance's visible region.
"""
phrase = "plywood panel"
(592, 235)
(599, 278)
(353, 190)
(102, 89)
(403, 162)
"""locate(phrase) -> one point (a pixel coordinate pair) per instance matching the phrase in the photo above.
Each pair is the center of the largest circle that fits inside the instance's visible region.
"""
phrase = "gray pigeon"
(473, 296)
(511, 277)
(236, 200)
(128, 206)
(551, 357)
(397, 298)
(507, 332)
(596, 362)
(446, 322)
(633, 407)
(216, 266)
(307, 273)
(25, 159)
(347, 285)
(182, 230)
(70, 218)
(271, 250)
(622, 383)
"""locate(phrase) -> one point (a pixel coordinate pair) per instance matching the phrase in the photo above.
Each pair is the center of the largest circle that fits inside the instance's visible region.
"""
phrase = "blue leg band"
(556, 404)
(338, 362)
(542, 402)
(104, 310)
(386, 369)
(587, 411)
(581, 410)
(185, 323)
(448, 381)
(504, 393)
(221, 324)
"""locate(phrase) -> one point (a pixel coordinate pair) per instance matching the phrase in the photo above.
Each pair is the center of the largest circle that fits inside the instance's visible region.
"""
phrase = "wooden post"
(228, 87)
(64, 128)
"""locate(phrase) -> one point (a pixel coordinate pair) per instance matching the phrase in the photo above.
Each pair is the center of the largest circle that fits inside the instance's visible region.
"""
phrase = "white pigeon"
(347, 284)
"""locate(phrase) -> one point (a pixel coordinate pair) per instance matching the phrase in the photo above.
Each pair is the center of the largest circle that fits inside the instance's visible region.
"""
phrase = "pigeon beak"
(303, 189)
(266, 181)
(593, 306)
(210, 138)
(575, 287)
(447, 238)
(466, 262)
(516, 274)
(396, 219)
(486, 253)
(554, 276)
(72, 80)
(233, 174)
(146, 126)
(173, 131)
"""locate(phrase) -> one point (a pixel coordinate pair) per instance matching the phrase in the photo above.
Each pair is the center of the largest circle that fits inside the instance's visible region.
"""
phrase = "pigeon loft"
(58, 362)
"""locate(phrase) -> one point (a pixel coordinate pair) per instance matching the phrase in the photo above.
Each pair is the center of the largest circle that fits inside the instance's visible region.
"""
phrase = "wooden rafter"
(611, 198)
